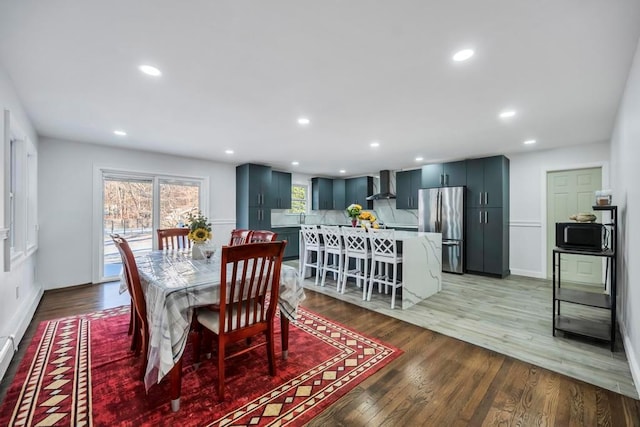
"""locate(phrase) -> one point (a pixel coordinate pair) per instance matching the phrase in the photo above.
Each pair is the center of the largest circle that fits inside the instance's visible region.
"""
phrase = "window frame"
(20, 232)
(306, 199)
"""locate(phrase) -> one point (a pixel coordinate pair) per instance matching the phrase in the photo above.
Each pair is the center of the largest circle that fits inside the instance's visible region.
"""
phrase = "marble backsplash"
(384, 210)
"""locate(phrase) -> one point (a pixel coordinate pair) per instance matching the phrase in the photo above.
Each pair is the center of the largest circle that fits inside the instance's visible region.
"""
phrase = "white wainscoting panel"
(525, 248)
(221, 229)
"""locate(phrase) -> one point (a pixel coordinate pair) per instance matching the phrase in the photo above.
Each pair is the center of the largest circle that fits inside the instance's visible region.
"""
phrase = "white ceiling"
(238, 74)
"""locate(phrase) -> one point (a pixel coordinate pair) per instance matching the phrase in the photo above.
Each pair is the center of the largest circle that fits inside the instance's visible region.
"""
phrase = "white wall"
(528, 171)
(66, 201)
(19, 290)
(625, 178)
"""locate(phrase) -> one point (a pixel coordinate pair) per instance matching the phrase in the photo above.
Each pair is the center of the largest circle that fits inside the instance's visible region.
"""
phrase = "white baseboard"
(632, 356)
(21, 321)
(528, 273)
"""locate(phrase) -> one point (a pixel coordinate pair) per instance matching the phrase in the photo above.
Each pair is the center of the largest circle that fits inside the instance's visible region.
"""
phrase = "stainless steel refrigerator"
(441, 210)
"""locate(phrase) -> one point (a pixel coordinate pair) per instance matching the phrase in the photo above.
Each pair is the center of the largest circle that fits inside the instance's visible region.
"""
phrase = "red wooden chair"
(173, 238)
(260, 236)
(240, 237)
(141, 327)
(249, 291)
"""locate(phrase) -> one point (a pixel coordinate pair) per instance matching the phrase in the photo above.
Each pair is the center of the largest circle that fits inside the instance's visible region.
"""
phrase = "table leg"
(176, 384)
(284, 331)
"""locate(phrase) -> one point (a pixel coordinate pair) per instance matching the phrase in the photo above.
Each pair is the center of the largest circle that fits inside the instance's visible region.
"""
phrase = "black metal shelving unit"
(585, 327)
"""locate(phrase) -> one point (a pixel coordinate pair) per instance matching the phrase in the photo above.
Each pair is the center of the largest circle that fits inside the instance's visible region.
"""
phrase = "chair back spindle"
(173, 238)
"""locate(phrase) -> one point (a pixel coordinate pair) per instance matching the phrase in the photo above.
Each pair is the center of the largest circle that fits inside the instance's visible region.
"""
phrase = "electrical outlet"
(17, 291)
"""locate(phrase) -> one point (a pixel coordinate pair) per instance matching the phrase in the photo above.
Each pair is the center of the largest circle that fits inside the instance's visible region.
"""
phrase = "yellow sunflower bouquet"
(199, 227)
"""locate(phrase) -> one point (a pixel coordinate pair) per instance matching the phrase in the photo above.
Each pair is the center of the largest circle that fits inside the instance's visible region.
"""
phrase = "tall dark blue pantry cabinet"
(253, 197)
(488, 216)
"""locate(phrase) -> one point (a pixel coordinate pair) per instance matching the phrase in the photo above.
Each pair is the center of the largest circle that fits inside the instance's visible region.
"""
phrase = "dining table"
(175, 285)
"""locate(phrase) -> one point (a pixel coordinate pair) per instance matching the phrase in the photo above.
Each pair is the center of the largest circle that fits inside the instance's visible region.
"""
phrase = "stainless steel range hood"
(385, 187)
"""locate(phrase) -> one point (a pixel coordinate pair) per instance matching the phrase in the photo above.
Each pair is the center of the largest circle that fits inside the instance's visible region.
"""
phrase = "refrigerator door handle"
(440, 213)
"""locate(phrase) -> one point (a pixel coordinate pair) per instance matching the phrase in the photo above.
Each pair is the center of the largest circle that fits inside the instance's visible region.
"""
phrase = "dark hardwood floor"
(439, 381)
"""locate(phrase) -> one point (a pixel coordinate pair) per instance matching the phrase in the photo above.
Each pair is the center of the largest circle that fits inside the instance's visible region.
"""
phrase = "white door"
(570, 192)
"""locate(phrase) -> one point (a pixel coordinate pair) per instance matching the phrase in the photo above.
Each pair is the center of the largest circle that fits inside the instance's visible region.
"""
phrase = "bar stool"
(384, 256)
(332, 246)
(312, 243)
(356, 247)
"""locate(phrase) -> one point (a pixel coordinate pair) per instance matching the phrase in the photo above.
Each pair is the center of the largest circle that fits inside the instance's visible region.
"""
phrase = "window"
(299, 198)
(13, 193)
(20, 193)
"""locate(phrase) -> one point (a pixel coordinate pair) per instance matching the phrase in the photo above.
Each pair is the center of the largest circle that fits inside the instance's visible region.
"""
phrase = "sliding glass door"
(127, 211)
(135, 205)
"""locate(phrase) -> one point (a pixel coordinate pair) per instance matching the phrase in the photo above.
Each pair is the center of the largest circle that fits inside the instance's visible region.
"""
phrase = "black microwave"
(583, 236)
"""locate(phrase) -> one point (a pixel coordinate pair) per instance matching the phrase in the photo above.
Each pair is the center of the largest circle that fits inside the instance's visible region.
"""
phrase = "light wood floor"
(438, 381)
(511, 316)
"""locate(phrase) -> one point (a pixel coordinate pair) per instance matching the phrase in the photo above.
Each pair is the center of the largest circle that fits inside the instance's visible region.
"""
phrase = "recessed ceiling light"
(295, 163)
(303, 121)
(228, 151)
(343, 171)
(150, 70)
(507, 114)
(463, 55)
(419, 159)
(529, 142)
(120, 132)
(375, 144)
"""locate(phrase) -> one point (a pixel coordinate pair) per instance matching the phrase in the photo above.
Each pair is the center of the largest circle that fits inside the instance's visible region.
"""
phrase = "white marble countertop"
(405, 235)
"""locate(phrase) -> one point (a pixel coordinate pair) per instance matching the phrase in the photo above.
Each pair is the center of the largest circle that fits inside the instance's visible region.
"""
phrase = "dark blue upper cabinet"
(488, 182)
(339, 194)
(455, 173)
(357, 190)
(407, 185)
(321, 193)
(450, 174)
(280, 190)
(432, 176)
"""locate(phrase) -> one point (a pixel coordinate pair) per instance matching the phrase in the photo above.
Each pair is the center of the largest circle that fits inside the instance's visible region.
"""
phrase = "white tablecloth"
(174, 284)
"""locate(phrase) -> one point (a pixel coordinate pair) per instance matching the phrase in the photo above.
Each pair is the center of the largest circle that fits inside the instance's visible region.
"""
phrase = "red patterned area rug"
(78, 371)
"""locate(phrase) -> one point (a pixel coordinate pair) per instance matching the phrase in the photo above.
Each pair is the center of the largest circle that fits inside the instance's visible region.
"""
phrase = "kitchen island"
(421, 269)
(421, 265)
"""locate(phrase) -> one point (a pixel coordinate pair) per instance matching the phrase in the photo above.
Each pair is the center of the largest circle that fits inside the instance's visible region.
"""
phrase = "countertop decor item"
(354, 210)
(368, 220)
(583, 217)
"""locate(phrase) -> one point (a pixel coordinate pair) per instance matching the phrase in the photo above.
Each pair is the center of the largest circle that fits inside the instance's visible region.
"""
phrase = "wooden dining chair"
(141, 331)
(240, 236)
(260, 236)
(173, 238)
(249, 291)
(132, 311)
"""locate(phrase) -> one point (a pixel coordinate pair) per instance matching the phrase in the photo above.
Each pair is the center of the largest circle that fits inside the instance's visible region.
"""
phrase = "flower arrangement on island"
(353, 210)
(199, 227)
(367, 218)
